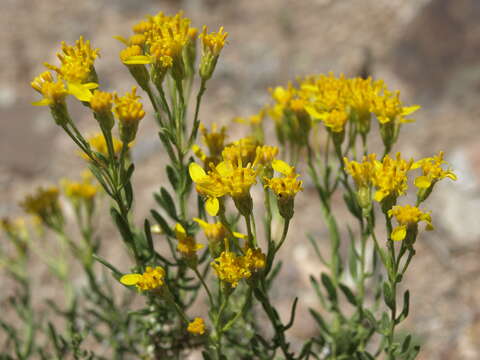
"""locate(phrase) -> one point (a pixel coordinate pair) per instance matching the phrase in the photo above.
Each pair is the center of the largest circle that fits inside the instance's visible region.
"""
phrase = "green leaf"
(388, 295)
(162, 223)
(172, 176)
(328, 284)
(317, 249)
(320, 321)
(122, 226)
(348, 294)
(148, 235)
(406, 343)
(128, 194)
(384, 325)
(406, 306)
(318, 291)
(99, 176)
(169, 204)
(116, 272)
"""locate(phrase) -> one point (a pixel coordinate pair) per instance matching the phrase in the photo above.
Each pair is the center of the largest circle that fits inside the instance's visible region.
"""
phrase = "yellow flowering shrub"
(219, 191)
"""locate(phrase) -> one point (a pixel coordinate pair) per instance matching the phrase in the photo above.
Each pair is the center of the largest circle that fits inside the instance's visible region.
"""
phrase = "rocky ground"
(429, 49)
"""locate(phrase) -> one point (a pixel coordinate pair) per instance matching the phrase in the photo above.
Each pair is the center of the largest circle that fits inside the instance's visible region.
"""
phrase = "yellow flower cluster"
(76, 69)
(336, 102)
(389, 176)
(432, 171)
(215, 232)
(44, 203)
(215, 142)
(53, 92)
(232, 268)
(84, 190)
(408, 218)
(197, 326)
(151, 279)
(166, 42)
(231, 177)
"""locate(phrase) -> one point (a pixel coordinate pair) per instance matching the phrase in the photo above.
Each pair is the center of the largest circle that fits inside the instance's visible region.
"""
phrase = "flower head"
(215, 232)
(390, 177)
(230, 268)
(408, 218)
(197, 326)
(98, 143)
(129, 111)
(432, 171)
(53, 92)
(44, 204)
(151, 279)
(186, 243)
(77, 68)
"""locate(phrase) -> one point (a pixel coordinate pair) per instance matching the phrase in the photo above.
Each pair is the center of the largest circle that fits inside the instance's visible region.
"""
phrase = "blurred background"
(428, 49)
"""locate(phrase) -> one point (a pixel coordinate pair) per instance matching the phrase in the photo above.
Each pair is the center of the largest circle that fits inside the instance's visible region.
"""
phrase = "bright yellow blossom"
(432, 171)
(254, 259)
(408, 218)
(77, 68)
(389, 108)
(151, 279)
(244, 150)
(265, 155)
(129, 112)
(197, 326)
(186, 243)
(209, 185)
(363, 172)
(214, 232)
(391, 177)
(53, 92)
(230, 268)
(213, 42)
(79, 190)
(336, 120)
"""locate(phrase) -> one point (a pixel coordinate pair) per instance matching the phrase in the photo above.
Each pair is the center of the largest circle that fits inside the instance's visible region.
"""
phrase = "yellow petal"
(399, 233)
(316, 114)
(282, 167)
(200, 222)
(137, 60)
(80, 91)
(423, 182)
(43, 102)
(224, 168)
(212, 206)
(451, 175)
(130, 279)
(121, 39)
(180, 231)
(239, 235)
(379, 196)
(410, 109)
(196, 172)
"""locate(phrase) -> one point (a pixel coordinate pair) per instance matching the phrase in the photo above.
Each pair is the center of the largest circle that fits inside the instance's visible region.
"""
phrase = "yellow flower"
(285, 187)
(230, 268)
(133, 55)
(432, 171)
(186, 243)
(77, 68)
(214, 140)
(197, 326)
(214, 232)
(336, 120)
(213, 42)
(265, 155)
(53, 92)
(101, 102)
(98, 143)
(391, 177)
(44, 203)
(408, 218)
(254, 259)
(79, 190)
(208, 185)
(151, 279)
(362, 173)
(129, 111)
(389, 108)
(244, 150)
